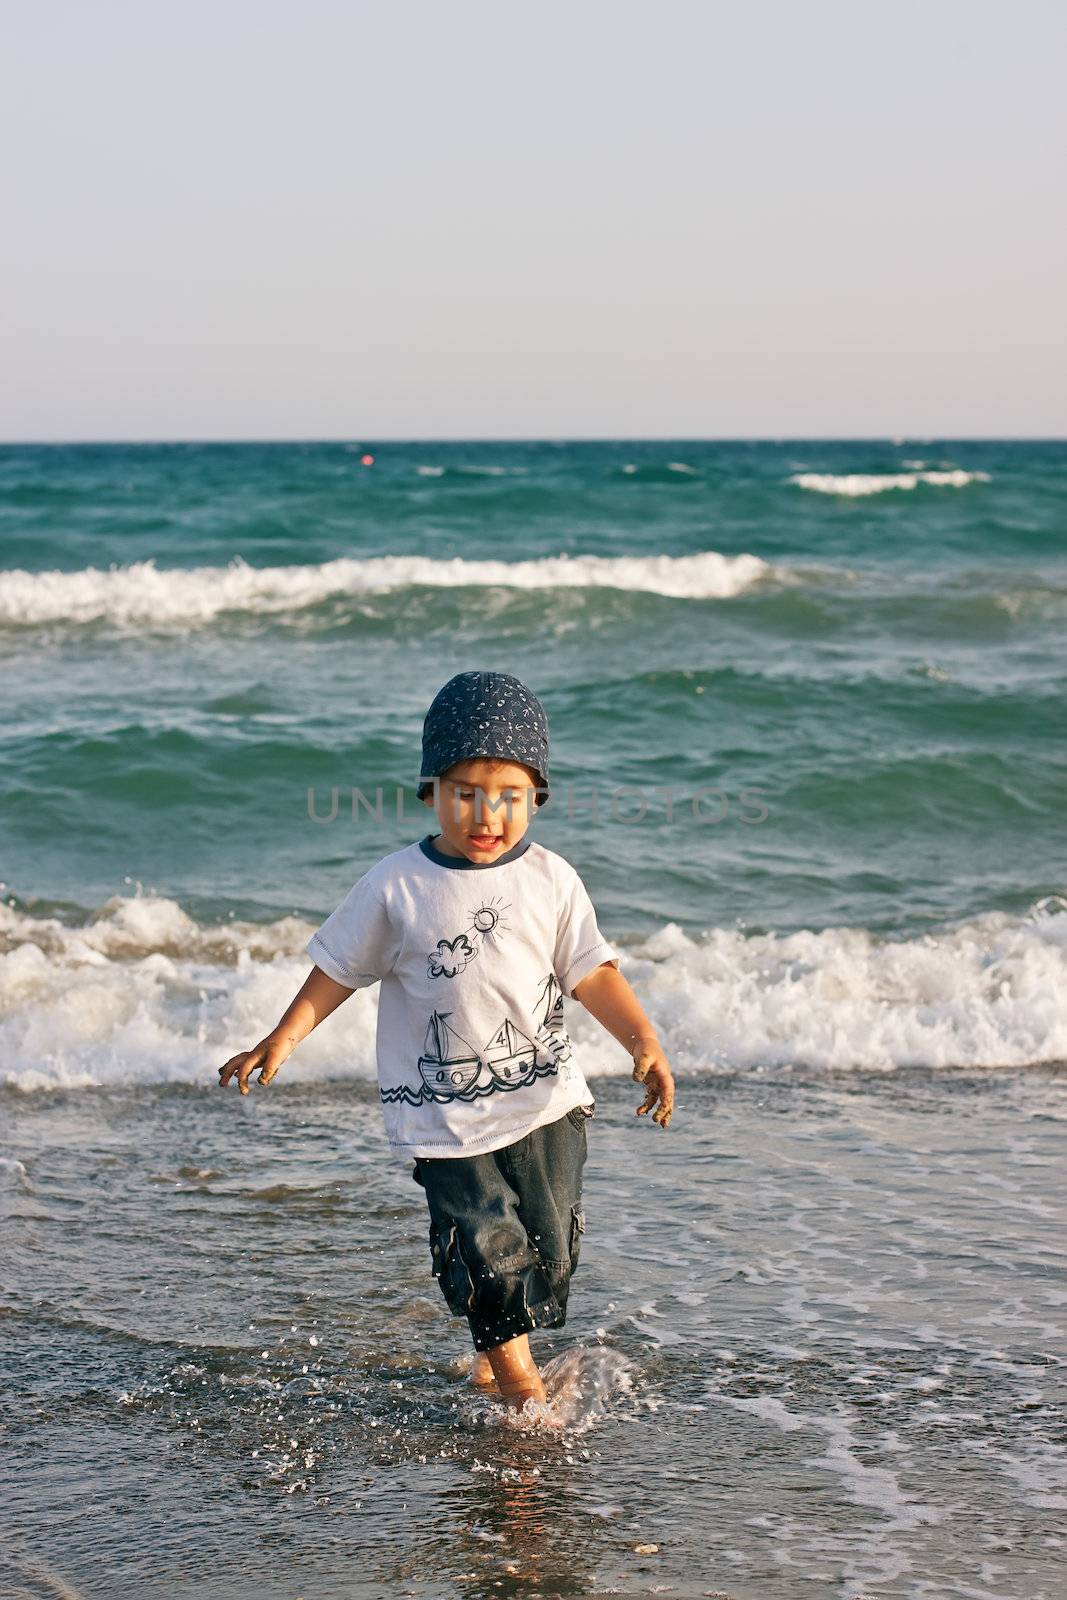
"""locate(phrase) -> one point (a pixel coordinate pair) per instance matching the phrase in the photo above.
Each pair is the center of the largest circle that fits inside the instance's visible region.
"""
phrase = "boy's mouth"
(484, 841)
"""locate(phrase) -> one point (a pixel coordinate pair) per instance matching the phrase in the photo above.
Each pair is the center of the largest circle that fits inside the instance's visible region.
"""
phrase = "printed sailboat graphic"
(453, 1069)
(510, 1053)
(448, 1063)
(552, 995)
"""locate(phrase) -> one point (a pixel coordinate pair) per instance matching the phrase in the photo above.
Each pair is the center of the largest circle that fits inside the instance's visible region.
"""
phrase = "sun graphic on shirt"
(489, 918)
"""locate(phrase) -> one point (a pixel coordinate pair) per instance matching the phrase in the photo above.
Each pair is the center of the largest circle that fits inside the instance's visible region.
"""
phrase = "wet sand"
(816, 1346)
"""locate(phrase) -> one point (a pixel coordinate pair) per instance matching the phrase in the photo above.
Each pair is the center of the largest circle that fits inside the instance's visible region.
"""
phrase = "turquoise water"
(816, 1341)
(857, 646)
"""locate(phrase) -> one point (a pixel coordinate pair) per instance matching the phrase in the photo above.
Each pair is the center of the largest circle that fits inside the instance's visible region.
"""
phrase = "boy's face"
(483, 807)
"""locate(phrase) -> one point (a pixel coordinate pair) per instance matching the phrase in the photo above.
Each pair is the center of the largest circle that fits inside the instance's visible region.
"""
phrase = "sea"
(806, 702)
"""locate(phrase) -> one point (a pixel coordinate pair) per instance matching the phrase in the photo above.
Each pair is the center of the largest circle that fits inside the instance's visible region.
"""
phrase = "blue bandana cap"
(484, 714)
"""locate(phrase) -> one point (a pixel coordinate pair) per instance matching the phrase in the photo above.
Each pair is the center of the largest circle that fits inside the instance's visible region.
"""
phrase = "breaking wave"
(142, 993)
(142, 594)
(862, 483)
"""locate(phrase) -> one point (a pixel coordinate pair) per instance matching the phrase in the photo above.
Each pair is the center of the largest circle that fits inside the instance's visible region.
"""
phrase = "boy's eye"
(513, 794)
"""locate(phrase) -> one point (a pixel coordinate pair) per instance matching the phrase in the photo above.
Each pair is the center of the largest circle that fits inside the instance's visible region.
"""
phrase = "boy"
(475, 1073)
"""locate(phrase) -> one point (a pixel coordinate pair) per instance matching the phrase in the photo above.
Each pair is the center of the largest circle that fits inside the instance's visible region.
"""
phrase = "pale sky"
(587, 219)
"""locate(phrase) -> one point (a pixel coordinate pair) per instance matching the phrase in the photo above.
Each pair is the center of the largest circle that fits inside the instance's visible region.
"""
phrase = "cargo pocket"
(577, 1229)
(450, 1270)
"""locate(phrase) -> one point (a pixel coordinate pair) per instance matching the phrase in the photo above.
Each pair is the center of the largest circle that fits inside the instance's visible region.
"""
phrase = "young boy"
(476, 933)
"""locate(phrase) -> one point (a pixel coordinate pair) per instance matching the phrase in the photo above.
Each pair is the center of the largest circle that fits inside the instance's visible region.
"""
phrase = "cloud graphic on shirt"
(451, 956)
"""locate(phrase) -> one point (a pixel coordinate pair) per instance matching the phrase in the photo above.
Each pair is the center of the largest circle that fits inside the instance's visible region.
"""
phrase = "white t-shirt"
(474, 960)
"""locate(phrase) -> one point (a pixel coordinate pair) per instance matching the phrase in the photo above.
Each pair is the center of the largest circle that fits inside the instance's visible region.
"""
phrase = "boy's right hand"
(267, 1055)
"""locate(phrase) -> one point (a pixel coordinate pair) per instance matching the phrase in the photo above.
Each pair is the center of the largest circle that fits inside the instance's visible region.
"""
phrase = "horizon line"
(556, 439)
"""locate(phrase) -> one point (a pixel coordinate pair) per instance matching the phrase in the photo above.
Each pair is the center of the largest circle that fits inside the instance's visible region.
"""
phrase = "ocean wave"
(862, 483)
(656, 472)
(428, 471)
(142, 594)
(143, 994)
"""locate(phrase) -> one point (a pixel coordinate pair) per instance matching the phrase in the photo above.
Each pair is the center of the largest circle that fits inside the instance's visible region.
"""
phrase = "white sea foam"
(877, 1488)
(143, 595)
(861, 483)
(143, 993)
(470, 471)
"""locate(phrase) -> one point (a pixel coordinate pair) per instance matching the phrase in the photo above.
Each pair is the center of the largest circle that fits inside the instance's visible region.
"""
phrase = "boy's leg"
(546, 1169)
(504, 1237)
(488, 1268)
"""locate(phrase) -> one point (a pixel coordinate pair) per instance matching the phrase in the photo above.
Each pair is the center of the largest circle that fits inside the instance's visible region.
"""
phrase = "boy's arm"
(608, 997)
(319, 995)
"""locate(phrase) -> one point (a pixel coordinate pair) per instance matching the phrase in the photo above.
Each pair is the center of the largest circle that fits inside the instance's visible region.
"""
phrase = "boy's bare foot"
(516, 1373)
(482, 1375)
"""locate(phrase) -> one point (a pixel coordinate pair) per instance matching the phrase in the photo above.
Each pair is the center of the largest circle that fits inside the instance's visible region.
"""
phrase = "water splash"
(581, 1386)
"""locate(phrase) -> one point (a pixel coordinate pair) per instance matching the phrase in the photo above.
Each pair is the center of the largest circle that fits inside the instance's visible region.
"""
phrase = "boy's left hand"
(651, 1069)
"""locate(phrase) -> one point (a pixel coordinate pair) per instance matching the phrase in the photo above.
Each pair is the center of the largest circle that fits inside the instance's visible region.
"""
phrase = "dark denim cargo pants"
(506, 1229)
